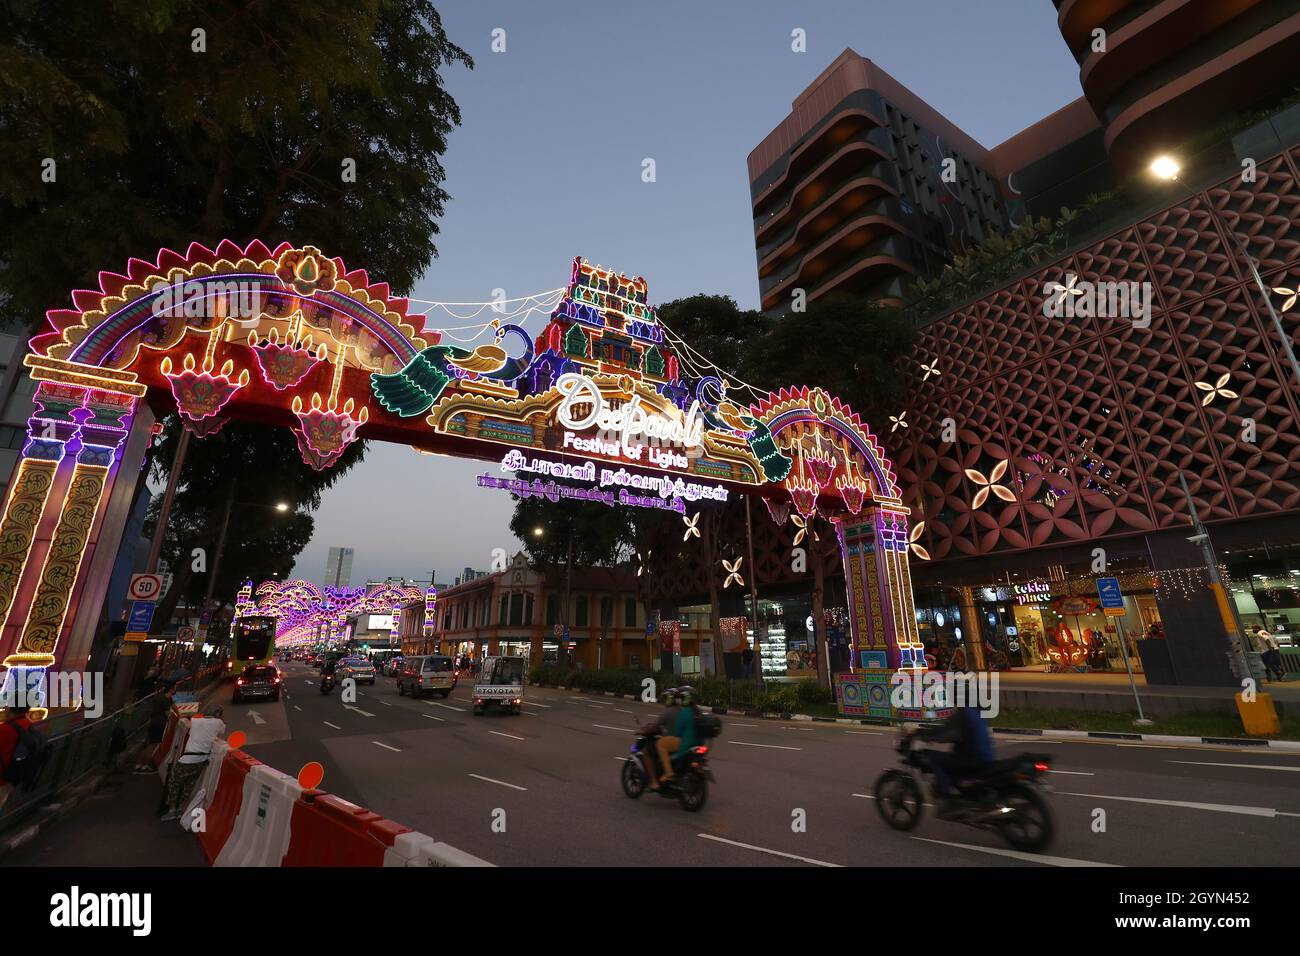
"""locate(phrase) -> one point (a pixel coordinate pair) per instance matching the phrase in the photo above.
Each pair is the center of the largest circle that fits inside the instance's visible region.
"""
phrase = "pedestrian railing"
(77, 754)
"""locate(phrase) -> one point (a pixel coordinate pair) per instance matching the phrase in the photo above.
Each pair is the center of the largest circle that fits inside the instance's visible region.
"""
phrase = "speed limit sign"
(145, 587)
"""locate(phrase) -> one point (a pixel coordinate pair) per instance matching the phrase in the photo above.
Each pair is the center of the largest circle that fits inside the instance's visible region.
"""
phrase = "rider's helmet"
(669, 697)
(686, 695)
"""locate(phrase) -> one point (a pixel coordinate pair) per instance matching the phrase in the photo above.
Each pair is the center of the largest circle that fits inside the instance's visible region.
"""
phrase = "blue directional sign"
(1112, 599)
(141, 616)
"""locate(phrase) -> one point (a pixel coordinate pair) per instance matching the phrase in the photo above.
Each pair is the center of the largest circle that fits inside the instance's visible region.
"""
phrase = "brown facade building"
(521, 611)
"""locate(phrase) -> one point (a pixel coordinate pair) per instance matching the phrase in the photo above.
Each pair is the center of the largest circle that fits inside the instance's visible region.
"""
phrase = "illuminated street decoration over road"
(598, 404)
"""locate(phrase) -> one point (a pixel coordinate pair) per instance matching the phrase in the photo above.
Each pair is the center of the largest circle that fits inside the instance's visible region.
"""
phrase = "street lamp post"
(1166, 167)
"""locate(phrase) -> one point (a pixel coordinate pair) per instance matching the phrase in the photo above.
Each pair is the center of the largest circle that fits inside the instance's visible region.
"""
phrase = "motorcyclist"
(328, 671)
(682, 738)
(971, 753)
(657, 728)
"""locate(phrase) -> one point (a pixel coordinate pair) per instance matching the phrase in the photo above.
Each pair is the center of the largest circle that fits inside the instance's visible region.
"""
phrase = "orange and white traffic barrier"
(262, 829)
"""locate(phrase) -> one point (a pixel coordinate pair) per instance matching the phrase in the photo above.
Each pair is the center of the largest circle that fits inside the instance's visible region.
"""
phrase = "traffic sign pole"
(1112, 603)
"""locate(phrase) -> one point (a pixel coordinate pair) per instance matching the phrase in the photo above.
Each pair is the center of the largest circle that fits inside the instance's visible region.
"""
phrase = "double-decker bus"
(252, 641)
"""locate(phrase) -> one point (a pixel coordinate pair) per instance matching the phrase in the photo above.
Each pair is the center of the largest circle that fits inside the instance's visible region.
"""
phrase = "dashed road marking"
(763, 849)
(1018, 855)
(335, 726)
(500, 783)
(386, 747)
(742, 743)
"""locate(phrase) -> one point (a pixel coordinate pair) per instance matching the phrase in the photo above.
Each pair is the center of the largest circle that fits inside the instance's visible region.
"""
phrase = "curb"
(1284, 746)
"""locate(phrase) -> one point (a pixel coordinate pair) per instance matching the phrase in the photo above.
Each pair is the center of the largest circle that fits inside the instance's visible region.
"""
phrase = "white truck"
(501, 682)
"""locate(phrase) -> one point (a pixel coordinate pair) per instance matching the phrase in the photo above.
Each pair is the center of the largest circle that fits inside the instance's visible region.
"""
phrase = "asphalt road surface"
(543, 788)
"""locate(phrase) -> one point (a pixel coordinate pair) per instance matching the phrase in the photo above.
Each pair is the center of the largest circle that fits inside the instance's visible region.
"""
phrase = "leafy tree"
(715, 328)
(847, 345)
(130, 126)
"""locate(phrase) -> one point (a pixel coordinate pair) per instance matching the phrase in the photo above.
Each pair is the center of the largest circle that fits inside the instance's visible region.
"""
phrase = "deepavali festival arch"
(598, 406)
(307, 614)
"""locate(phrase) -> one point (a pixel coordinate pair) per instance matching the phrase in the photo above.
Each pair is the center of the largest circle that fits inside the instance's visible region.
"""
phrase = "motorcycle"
(327, 682)
(1007, 798)
(690, 783)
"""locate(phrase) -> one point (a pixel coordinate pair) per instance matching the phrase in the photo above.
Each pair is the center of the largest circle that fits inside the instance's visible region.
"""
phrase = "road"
(542, 788)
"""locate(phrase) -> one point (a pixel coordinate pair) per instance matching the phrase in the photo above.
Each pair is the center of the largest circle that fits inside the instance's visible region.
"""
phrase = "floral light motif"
(803, 490)
(930, 370)
(1216, 390)
(285, 364)
(990, 484)
(914, 537)
(325, 431)
(820, 461)
(199, 392)
(852, 487)
(805, 527)
(899, 422)
(778, 510)
(1063, 290)
(733, 572)
(692, 526)
(1291, 294)
(306, 270)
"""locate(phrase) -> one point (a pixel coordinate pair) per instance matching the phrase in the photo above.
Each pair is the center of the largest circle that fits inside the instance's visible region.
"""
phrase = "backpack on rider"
(30, 755)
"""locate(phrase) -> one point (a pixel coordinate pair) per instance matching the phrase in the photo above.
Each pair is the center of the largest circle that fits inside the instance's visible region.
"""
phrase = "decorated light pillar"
(55, 513)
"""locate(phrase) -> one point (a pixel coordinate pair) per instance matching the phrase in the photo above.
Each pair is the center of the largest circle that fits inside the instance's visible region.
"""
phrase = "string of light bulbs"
(689, 357)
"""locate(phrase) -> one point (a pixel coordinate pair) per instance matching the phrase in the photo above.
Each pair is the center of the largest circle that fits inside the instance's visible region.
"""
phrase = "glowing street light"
(1166, 167)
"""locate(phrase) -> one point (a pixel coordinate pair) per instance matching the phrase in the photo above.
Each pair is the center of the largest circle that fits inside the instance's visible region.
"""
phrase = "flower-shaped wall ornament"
(1291, 296)
(805, 527)
(692, 525)
(914, 537)
(1064, 290)
(1216, 390)
(991, 484)
(930, 370)
(733, 572)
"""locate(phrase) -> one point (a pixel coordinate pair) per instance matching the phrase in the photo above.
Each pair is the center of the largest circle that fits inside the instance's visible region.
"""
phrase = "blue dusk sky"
(547, 165)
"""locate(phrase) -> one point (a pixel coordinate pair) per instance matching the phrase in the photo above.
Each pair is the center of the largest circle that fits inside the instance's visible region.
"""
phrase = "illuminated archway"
(601, 400)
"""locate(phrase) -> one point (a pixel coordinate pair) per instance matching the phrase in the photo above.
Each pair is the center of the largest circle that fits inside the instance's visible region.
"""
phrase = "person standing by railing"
(22, 752)
(184, 774)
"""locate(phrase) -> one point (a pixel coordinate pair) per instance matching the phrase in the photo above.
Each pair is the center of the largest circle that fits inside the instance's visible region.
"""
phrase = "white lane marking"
(622, 711)
(802, 730)
(257, 718)
(385, 746)
(384, 702)
(498, 782)
(1017, 855)
(363, 713)
(1251, 766)
(625, 730)
(431, 716)
(296, 707)
(741, 743)
(860, 733)
(434, 703)
(335, 726)
(744, 725)
(593, 707)
(511, 736)
(1074, 773)
(867, 796)
(529, 703)
(309, 682)
(763, 849)
(1190, 805)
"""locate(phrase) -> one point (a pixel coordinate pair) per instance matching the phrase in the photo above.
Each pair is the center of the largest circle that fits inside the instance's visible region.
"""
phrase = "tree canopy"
(129, 126)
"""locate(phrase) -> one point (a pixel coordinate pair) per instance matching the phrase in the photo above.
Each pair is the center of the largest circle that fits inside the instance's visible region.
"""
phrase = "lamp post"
(281, 507)
(1167, 168)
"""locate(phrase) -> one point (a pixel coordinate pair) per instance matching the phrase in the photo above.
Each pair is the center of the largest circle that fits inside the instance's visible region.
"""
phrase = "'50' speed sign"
(145, 587)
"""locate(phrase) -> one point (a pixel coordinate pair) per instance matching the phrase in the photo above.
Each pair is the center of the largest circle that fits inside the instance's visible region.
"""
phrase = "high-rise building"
(338, 567)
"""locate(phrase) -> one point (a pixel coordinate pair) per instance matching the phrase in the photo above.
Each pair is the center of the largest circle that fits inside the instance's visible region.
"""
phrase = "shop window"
(629, 612)
(580, 612)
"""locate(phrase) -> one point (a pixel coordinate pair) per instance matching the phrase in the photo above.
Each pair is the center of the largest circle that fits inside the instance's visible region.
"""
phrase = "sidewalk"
(115, 826)
(1111, 692)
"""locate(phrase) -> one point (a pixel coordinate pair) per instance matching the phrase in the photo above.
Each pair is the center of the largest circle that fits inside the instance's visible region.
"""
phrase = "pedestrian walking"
(1270, 652)
(183, 775)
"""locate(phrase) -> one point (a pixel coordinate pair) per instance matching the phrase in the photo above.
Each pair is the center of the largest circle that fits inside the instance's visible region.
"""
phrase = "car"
(258, 680)
(358, 668)
(432, 672)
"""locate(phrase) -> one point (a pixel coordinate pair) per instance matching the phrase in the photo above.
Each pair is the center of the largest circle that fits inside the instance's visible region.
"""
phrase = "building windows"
(580, 612)
(552, 610)
(505, 604)
(629, 612)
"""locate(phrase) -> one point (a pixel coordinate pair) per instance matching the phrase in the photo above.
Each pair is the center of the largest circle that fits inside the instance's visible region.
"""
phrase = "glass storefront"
(1053, 624)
